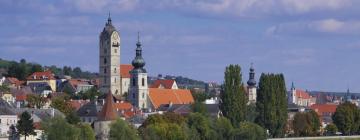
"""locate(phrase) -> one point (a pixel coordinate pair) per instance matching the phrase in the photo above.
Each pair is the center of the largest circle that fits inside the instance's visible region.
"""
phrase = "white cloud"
(329, 26)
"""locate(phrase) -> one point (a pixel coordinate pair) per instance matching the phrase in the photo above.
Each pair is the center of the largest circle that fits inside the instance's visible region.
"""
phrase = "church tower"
(292, 94)
(109, 59)
(138, 94)
(252, 85)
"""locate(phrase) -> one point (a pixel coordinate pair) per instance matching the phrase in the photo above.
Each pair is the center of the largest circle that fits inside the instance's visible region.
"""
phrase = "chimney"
(170, 104)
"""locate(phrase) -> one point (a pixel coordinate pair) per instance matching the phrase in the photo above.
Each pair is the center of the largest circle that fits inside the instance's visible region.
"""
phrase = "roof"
(107, 112)
(76, 82)
(176, 108)
(302, 94)
(90, 109)
(165, 96)
(6, 111)
(76, 104)
(165, 83)
(45, 75)
(125, 70)
(324, 108)
(123, 106)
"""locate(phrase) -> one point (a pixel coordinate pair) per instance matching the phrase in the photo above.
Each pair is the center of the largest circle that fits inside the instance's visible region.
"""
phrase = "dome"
(251, 82)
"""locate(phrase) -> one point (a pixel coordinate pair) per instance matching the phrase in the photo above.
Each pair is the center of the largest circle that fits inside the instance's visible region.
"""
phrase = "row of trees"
(270, 111)
(23, 69)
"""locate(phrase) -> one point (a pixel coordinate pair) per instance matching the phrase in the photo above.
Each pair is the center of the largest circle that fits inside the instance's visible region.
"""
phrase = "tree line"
(22, 69)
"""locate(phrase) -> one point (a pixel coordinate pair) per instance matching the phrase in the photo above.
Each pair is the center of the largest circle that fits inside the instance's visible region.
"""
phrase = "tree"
(61, 103)
(90, 94)
(4, 88)
(251, 112)
(86, 132)
(73, 118)
(36, 68)
(233, 98)
(224, 128)
(331, 129)
(58, 129)
(25, 126)
(35, 101)
(120, 130)
(306, 124)
(12, 132)
(347, 118)
(272, 104)
(250, 131)
(199, 107)
(201, 125)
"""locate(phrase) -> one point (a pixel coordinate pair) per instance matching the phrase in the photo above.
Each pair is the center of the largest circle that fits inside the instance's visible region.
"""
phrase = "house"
(325, 112)
(159, 96)
(43, 77)
(41, 88)
(13, 82)
(7, 119)
(125, 77)
(2, 80)
(164, 84)
(77, 85)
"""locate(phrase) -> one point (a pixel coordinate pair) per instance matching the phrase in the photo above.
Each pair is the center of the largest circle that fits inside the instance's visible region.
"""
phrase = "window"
(114, 80)
(134, 95)
(143, 95)
(105, 80)
(114, 70)
(104, 70)
(105, 60)
(143, 81)
(115, 50)
(133, 82)
(105, 50)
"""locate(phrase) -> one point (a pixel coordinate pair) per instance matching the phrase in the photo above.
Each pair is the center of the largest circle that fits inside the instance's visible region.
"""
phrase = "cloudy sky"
(315, 43)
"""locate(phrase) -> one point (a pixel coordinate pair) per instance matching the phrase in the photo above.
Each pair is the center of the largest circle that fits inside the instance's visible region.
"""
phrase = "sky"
(314, 43)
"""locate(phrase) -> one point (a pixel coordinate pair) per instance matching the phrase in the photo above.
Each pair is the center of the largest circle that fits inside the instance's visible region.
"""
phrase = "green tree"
(61, 103)
(25, 126)
(233, 97)
(35, 100)
(201, 125)
(199, 107)
(90, 94)
(272, 104)
(86, 132)
(224, 128)
(4, 88)
(164, 131)
(121, 130)
(58, 129)
(36, 68)
(250, 131)
(251, 112)
(347, 118)
(73, 118)
(331, 129)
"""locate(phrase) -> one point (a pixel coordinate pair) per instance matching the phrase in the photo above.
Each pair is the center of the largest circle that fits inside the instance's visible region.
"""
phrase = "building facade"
(109, 59)
(139, 91)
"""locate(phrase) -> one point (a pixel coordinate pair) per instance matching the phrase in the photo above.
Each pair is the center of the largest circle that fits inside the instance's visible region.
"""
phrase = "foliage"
(4, 88)
(199, 107)
(347, 118)
(58, 129)
(201, 125)
(199, 96)
(250, 131)
(164, 131)
(86, 132)
(331, 129)
(25, 126)
(233, 97)
(272, 104)
(223, 128)
(73, 118)
(120, 130)
(35, 100)
(251, 112)
(306, 124)
(90, 94)
(61, 103)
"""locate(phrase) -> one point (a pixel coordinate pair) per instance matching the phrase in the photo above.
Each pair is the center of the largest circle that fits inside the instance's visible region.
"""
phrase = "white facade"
(2, 80)
(252, 94)
(139, 91)
(125, 84)
(5, 122)
(109, 60)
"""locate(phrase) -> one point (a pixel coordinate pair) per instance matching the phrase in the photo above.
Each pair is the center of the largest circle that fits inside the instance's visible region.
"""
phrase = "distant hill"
(183, 82)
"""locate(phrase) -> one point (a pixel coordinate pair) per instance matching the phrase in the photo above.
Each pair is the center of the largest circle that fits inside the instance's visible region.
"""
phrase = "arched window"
(105, 60)
(143, 95)
(114, 70)
(143, 81)
(104, 70)
(114, 80)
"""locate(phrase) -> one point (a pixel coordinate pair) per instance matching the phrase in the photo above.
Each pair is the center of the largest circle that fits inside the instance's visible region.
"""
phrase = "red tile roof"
(15, 81)
(125, 70)
(46, 75)
(75, 82)
(123, 106)
(76, 104)
(302, 94)
(165, 96)
(21, 97)
(37, 125)
(107, 112)
(324, 108)
(164, 82)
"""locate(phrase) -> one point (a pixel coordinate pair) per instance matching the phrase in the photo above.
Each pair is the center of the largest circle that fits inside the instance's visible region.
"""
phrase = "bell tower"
(138, 94)
(109, 59)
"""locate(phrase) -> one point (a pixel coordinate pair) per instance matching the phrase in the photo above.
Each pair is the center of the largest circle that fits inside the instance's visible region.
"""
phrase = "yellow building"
(43, 77)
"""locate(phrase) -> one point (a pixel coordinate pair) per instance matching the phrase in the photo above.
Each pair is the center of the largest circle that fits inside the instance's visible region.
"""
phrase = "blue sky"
(314, 43)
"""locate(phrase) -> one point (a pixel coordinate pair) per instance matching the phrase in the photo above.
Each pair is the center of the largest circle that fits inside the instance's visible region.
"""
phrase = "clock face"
(115, 36)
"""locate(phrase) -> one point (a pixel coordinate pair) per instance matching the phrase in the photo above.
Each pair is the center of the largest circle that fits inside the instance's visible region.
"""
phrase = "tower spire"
(109, 19)
(251, 81)
(139, 62)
